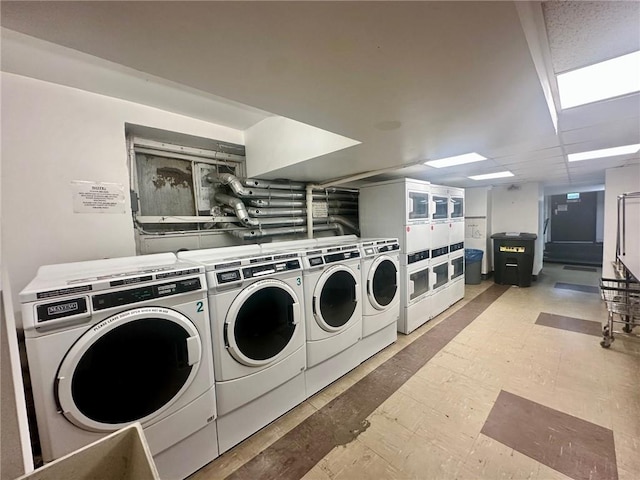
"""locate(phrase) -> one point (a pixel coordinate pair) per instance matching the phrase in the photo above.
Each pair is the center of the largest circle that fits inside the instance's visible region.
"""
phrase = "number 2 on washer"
(200, 305)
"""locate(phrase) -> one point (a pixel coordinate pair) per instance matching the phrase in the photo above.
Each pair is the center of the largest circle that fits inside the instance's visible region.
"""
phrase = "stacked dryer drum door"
(381, 294)
(111, 342)
(333, 313)
(440, 277)
(440, 220)
(456, 245)
(256, 305)
(456, 273)
(415, 301)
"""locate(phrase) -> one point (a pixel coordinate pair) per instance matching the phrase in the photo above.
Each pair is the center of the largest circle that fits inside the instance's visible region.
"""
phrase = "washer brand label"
(64, 308)
(53, 311)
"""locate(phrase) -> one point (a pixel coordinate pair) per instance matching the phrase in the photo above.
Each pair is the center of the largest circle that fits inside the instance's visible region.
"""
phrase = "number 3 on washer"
(200, 305)
(298, 281)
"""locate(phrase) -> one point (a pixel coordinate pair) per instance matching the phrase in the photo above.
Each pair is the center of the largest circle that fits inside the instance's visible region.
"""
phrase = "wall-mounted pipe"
(296, 220)
(242, 191)
(281, 212)
(289, 185)
(238, 207)
(252, 234)
(257, 183)
(278, 203)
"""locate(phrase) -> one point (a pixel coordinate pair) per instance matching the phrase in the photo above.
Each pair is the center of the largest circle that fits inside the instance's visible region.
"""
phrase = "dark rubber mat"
(572, 324)
(580, 269)
(578, 288)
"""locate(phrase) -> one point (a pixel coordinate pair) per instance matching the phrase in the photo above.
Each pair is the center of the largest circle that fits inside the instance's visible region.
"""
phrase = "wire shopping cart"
(622, 297)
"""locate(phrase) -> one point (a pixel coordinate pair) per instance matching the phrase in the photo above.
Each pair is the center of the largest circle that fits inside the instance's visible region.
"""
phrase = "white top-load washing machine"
(256, 305)
(333, 312)
(111, 342)
(380, 267)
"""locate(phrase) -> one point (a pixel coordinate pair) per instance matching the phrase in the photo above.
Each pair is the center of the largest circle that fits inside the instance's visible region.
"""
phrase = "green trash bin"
(472, 266)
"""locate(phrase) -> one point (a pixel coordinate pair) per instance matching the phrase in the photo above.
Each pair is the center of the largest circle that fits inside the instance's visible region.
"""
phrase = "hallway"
(509, 383)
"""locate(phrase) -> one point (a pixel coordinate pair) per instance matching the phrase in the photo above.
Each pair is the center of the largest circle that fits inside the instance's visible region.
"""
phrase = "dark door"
(129, 368)
(573, 217)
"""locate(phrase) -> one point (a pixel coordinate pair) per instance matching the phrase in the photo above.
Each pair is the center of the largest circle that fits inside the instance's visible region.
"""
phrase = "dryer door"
(129, 367)
(335, 298)
(262, 322)
(382, 282)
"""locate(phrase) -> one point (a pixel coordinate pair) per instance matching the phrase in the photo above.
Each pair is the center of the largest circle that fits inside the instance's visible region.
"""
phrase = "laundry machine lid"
(382, 282)
(261, 322)
(335, 297)
(129, 367)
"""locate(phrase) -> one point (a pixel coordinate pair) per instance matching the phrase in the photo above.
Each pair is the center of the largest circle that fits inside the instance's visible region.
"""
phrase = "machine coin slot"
(417, 256)
(456, 246)
(438, 252)
(315, 261)
(226, 277)
(260, 271)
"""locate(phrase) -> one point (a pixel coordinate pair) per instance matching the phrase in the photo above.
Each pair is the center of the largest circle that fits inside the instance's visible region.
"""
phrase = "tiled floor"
(426, 407)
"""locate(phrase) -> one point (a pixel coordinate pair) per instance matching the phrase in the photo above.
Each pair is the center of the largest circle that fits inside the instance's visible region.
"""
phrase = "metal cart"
(622, 297)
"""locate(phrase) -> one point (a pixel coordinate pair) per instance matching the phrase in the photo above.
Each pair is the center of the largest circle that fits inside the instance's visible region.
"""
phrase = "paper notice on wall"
(98, 197)
(475, 228)
(320, 209)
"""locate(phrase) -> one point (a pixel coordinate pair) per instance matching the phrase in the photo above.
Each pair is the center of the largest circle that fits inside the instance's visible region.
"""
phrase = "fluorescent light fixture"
(605, 152)
(457, 160)
(611, 78)
(488, 176)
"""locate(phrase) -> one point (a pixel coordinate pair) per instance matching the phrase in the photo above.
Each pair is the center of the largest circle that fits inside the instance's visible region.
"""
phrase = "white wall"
(617, 181)
(52, 135)
(478, 224)
(519, 210)
(278, 142)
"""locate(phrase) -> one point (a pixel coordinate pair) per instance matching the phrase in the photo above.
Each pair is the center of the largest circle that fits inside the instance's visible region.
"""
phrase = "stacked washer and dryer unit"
(440, 232)
(401, 208)
(447, 247)
(110, 342)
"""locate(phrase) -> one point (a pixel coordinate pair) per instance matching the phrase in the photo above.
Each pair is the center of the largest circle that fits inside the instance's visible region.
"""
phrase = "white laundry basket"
(124, 455)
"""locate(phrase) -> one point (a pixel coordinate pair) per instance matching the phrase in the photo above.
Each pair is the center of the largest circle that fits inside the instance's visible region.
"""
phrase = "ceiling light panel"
(603, 153)
(608, 79)
(457, 160)
(489, 176)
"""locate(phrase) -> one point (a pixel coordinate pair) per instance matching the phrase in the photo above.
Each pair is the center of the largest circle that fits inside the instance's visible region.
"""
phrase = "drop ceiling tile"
(583, 33)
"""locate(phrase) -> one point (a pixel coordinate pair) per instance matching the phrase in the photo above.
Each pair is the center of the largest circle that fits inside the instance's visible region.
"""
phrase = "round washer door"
(129, 367)
(335, 298)
(262, 322)
(382, 282)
